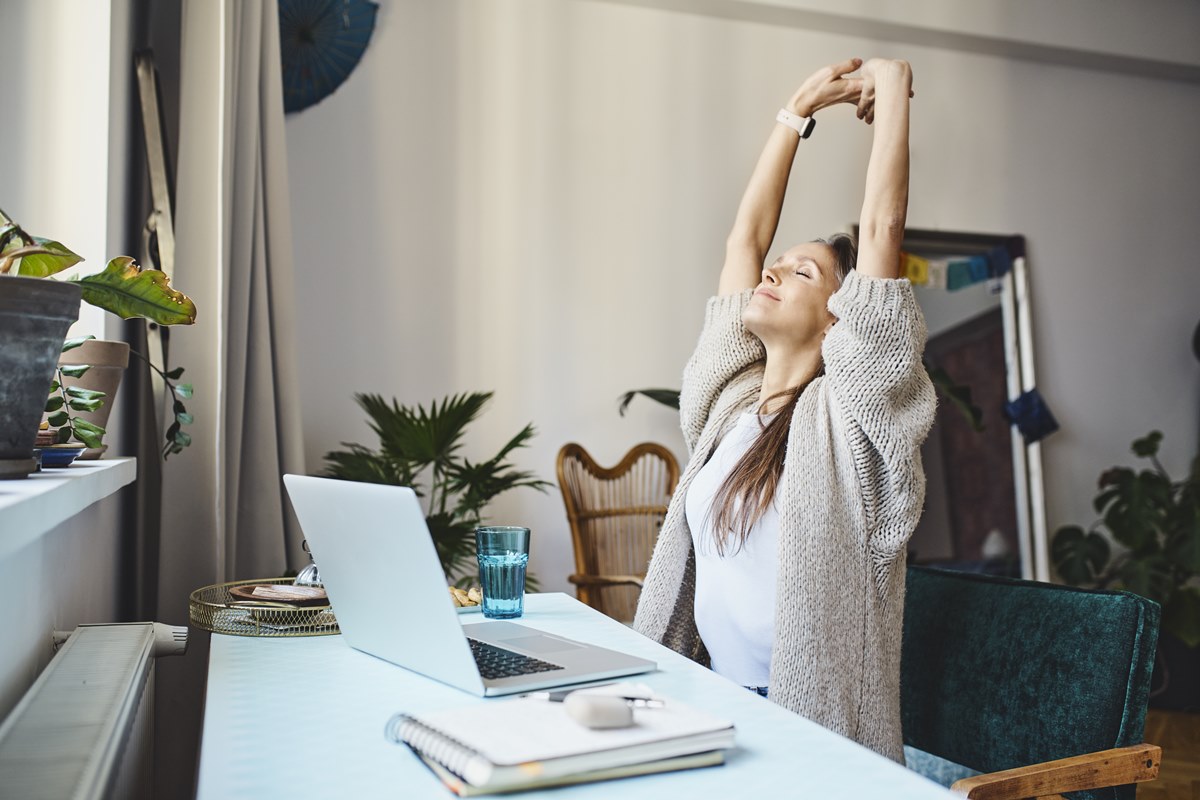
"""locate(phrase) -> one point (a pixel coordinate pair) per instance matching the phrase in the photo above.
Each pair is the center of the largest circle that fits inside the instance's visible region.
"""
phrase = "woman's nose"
(769, 276)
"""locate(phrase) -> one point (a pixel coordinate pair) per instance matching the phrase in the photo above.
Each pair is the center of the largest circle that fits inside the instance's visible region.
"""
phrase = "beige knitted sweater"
(849, 498)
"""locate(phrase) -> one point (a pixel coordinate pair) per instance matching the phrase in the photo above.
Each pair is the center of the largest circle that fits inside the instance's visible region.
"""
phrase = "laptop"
(387, 589)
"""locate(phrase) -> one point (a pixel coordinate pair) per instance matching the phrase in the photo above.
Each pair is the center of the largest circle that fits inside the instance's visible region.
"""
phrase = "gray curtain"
(224, 514)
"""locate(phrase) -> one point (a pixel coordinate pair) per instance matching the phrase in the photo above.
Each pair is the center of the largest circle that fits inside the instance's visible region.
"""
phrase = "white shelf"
(30, 507)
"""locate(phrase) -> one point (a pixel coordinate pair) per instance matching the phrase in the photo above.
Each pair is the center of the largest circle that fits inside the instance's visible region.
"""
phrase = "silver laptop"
(388, 591)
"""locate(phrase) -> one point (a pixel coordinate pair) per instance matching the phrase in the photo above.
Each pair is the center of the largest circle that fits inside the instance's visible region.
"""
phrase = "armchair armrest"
(607, 580)
(1092, 771)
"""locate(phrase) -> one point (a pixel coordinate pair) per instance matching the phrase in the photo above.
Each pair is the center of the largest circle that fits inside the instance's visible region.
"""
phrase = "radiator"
(84, 729)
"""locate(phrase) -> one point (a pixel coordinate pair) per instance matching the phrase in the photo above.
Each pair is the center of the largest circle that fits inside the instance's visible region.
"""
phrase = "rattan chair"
(615, 514)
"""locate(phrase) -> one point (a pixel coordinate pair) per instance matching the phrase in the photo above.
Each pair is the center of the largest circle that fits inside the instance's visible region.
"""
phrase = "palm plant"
(420, 448)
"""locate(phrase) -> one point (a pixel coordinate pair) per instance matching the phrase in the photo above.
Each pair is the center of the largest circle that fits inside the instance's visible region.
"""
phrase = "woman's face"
(790, 305)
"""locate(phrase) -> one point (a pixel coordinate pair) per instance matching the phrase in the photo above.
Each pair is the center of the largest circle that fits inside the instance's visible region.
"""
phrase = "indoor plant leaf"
(668, 397)
(129, 291)
(1079, 557)
(1148, 445)
(1148, 576)
(56, 257)
(74, 370)
(1182, 616)
(1134, 507)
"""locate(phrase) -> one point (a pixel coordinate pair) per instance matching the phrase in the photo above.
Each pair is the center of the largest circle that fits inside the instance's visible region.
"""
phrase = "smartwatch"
(801, 125)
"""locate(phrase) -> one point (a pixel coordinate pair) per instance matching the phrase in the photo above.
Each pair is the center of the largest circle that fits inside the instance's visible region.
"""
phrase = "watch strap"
(801, 125)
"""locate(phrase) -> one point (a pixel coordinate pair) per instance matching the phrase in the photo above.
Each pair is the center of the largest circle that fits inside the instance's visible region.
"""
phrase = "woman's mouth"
(767, 293)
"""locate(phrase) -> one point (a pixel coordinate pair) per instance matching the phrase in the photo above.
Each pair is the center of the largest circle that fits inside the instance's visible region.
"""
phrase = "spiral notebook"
(526, 743)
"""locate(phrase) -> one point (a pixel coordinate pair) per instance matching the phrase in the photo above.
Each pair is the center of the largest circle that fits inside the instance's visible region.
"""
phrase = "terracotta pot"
(35, 314)
(108, 361)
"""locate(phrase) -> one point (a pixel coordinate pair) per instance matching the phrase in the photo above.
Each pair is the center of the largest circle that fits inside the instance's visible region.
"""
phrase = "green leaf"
(183, 418)
(958, 395)
(71, 344)
(1148, 445)
(1182, 616)
(80, 393)
(184, 390)
(55, 386)
(75, 370)
(668, 397)
(90, 427)
(54, 403)
(85, 405)
(175, 373)
(1148, 576)
(1079, 558)
(58, 420)
(63, 435)
(89, 438)
(182, 439)
(43, 265)
(1134, 506)
(129, 291)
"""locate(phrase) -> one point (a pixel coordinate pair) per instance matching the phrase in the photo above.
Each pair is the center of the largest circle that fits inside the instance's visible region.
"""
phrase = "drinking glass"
(503, 555)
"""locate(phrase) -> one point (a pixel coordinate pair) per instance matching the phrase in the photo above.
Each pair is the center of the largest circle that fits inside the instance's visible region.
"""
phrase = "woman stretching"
(781, 560)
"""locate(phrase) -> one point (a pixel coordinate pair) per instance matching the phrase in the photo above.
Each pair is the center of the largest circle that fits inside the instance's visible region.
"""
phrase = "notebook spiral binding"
(433, 744)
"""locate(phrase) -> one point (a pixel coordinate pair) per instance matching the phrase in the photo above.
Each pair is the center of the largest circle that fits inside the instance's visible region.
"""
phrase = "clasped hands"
(836, 84)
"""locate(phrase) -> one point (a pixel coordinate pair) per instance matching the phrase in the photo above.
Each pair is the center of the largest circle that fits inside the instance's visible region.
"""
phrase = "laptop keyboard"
(496, 662)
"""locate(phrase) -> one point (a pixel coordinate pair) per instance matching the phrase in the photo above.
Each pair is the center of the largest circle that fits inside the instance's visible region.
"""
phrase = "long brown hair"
(749, 488)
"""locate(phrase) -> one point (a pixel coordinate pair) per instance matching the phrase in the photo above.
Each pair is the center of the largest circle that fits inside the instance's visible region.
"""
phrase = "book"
(528, 742)
(463, 789)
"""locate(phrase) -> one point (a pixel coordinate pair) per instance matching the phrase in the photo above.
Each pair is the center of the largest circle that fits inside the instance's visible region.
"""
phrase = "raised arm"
(886, 90)
(758, 215)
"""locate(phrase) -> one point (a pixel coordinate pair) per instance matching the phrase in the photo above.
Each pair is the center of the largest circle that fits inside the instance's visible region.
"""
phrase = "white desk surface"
(304, 718)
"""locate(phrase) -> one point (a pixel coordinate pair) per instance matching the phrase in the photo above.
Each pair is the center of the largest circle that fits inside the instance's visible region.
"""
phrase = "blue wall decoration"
(320, 43)
(1032, 416)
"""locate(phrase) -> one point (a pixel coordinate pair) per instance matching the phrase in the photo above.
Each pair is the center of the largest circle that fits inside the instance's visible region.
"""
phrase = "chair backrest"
(998, 673)
(615, 514)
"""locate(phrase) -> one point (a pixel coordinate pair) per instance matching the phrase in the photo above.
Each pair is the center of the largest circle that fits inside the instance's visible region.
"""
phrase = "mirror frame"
(1020, 375)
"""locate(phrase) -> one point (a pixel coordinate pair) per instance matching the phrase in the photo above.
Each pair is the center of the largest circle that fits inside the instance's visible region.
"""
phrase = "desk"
(304, 718)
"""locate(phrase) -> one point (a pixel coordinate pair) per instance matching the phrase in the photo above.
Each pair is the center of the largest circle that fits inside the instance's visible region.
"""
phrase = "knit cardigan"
(849, 498)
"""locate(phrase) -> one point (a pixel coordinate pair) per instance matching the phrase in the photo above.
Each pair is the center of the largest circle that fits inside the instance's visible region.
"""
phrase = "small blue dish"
(60, 455)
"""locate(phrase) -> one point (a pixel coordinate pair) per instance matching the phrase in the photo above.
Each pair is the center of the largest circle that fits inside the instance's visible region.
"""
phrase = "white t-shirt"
(735, 593)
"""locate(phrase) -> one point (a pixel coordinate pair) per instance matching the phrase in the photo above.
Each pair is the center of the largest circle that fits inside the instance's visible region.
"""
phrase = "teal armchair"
(1042, 688)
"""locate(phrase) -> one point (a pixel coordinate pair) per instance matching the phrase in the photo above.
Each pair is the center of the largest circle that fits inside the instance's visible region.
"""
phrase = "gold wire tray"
(213, 608)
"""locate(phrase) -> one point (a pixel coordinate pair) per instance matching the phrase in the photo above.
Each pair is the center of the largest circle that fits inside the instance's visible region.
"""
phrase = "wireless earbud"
(599, 710)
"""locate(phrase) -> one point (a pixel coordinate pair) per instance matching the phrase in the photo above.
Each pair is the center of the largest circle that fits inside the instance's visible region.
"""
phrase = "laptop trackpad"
(541, 644)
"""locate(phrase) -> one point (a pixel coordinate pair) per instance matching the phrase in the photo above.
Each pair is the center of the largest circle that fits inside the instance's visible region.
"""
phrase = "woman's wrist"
(801, 106)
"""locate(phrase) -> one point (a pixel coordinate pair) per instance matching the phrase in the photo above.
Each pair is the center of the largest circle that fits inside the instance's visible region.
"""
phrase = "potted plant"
(34, 317)
(1156, 521)
(420, 448)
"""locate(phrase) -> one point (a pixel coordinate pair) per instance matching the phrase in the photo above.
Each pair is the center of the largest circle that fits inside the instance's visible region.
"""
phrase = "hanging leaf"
(85, 405)
(54, 403)
(75, 370)
(59, 419)
(184, 390)
(71, 344)
(129, 291)
(80, 393)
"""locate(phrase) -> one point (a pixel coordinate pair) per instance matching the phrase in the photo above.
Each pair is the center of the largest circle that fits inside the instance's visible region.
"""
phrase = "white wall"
(59, 93)
(531, 196)
(56, 184)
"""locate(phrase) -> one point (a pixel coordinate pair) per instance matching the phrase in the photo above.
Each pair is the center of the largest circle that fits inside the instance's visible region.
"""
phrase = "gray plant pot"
(35, 314)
